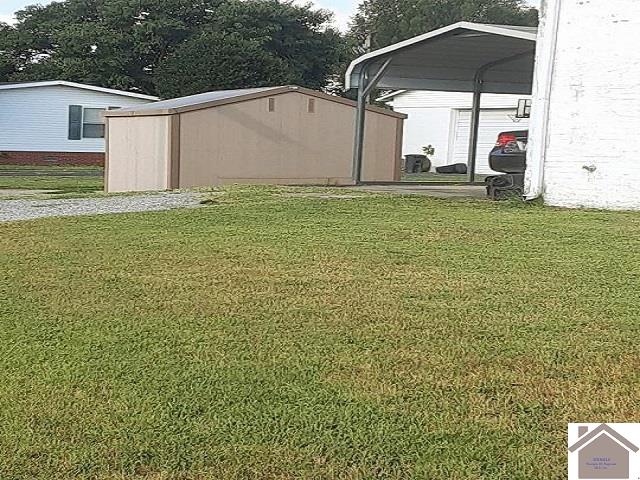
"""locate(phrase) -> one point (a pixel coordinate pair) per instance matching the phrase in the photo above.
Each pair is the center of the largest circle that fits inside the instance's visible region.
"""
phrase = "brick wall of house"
(51, 158)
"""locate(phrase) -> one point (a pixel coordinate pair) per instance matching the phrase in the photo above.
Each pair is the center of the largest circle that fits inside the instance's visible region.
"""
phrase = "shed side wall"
(244, 142)
(138, 153)
(382, 147)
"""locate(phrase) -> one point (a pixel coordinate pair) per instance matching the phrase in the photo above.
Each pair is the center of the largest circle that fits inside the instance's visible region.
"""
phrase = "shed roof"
(390, 95)
(224, 97)
(64, 83)
(448, 59)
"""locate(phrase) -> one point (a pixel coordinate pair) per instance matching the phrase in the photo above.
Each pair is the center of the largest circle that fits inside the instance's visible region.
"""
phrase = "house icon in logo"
(602, 453)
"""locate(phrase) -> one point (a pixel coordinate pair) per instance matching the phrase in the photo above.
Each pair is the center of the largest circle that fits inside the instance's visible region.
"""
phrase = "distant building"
(57, 122)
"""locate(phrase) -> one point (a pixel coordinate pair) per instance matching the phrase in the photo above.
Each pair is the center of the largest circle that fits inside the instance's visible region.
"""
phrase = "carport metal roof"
(463, 57)
(448, 59)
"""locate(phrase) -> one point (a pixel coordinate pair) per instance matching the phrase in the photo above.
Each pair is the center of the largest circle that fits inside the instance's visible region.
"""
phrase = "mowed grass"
(276, 337)
(62, 181)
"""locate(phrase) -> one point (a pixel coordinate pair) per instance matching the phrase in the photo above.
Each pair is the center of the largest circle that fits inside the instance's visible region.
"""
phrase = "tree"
(7, 61)
(172, 47)
(389, 21)
(211, 61)
(254, 43)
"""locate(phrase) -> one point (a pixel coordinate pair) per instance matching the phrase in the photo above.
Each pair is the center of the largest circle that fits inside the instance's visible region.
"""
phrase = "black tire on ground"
(460, 167)
(454, 168)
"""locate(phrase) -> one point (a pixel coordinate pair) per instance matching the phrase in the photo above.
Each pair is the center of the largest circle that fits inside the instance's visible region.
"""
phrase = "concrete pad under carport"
(438, 191)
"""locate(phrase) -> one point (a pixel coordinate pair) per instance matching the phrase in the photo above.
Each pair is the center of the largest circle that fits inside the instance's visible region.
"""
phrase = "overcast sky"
(343, 9)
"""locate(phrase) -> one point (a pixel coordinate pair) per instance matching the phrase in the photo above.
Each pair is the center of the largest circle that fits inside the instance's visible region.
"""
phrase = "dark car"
(510, 153)
(509, 157)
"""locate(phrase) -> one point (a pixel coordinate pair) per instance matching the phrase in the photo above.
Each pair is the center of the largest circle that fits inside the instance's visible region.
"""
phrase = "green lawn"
(60, 180)
(279, 337)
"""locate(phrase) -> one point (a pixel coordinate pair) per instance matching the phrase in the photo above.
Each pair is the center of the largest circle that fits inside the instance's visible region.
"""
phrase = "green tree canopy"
(172, 47)
(7, 61)
(252, 43)
(390, 21)
(212, 60)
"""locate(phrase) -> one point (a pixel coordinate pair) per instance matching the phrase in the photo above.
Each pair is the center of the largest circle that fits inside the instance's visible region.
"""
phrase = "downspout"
(543, 82)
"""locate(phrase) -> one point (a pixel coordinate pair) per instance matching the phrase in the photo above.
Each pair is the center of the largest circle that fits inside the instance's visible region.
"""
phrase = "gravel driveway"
(11, 210)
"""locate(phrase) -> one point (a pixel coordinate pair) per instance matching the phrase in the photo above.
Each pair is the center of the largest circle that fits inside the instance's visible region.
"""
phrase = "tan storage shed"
(278, 135)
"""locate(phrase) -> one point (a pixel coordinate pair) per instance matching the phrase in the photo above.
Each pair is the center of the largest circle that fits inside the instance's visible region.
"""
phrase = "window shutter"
(75, 122)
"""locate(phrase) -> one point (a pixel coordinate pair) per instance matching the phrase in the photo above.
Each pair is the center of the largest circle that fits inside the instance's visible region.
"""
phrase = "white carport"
(463, 57)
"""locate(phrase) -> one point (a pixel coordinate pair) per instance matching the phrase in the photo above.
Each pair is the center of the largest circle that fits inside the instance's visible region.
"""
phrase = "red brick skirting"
(51, 158)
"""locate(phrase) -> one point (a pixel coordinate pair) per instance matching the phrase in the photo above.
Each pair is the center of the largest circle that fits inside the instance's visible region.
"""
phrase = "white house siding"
(435, 118)
(36, 119)
(590, 153)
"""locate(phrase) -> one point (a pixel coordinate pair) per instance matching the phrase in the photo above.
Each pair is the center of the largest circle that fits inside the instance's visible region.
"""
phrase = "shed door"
(492, 122)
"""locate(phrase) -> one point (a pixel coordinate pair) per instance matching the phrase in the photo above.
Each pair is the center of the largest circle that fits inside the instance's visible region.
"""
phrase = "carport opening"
(465, 57)
(436, 134)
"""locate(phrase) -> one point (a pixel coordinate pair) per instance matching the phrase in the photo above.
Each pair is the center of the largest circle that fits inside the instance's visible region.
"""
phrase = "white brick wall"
(592, 152)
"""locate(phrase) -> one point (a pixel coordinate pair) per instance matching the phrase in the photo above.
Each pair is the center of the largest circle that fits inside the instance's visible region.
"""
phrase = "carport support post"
(365, 87)
(358, 144)
(475, 126)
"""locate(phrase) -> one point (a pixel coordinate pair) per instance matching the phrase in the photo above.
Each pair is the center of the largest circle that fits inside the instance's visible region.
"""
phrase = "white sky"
(343, 9)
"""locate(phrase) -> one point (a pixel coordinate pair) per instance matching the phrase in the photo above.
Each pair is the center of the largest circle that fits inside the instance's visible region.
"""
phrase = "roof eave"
(390, 95)
(64, 83)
